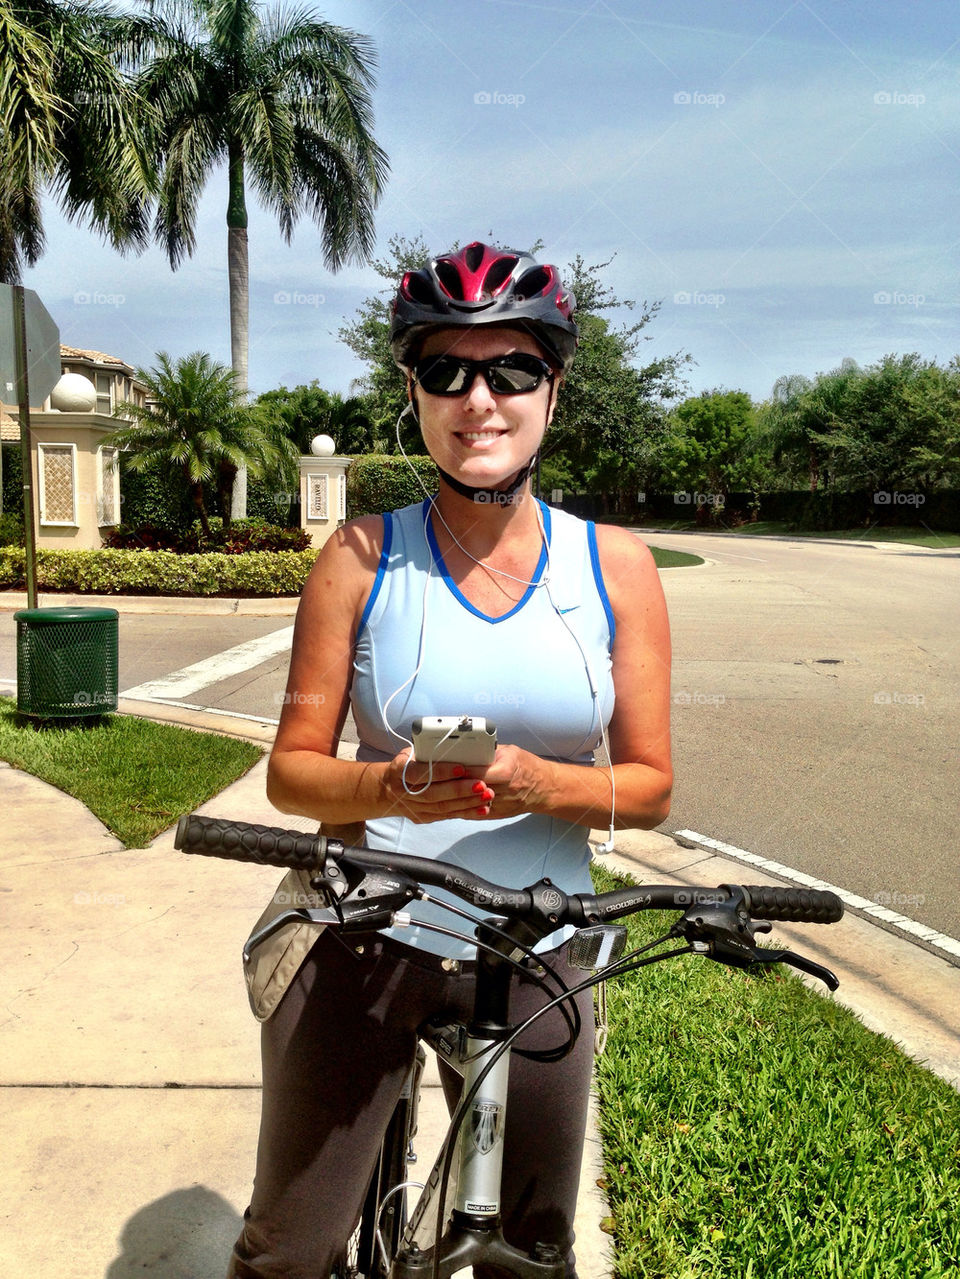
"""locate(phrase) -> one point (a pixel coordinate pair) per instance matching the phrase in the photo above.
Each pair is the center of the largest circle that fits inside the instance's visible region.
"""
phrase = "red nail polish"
(488, 796)
(482, 812)
(479, 788)
(459, 771)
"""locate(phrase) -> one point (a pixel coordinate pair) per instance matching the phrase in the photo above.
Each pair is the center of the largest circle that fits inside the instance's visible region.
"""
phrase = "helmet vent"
(534, 282)
(449, 279)
(473, 255)
(417, 288)
(498, 275)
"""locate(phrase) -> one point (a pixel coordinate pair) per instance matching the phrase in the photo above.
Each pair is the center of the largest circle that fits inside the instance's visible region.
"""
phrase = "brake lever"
(298, 916)
(808, 966)
(724, 931)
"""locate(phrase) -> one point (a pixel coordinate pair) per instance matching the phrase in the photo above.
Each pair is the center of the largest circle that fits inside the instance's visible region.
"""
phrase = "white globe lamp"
(74, 393)
(322, 446)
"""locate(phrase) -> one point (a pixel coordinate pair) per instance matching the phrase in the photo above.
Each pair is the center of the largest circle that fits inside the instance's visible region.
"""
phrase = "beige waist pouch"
(274, 963)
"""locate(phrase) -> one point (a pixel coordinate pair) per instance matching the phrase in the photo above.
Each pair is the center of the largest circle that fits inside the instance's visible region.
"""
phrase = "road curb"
(266, 606)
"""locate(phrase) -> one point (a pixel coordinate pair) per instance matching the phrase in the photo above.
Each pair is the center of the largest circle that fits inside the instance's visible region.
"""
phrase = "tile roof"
(75, 353)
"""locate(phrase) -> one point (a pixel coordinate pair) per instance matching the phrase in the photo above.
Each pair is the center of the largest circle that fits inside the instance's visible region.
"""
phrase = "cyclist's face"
(480, 437)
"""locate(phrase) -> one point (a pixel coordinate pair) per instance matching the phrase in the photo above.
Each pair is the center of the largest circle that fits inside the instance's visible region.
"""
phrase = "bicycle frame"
(474, 1233)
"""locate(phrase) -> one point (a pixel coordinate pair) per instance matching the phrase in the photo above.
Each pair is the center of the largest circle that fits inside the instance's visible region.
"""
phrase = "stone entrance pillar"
(323, 490)
(76, 480)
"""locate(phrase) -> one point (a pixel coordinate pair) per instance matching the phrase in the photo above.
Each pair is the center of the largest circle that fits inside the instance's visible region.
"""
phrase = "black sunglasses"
(516, 374)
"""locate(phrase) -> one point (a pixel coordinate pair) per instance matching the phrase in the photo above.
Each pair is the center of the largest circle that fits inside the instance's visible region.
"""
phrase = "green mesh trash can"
(67, 660)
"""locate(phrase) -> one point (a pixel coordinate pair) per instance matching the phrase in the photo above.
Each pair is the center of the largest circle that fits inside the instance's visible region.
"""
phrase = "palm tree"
(69, 120)
(195, 419)
(283, 96)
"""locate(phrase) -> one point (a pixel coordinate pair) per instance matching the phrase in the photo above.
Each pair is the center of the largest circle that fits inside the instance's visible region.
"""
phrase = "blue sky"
(782, 177)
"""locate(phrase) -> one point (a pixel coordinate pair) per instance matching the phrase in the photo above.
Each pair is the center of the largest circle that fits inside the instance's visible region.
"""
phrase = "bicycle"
(366, 890)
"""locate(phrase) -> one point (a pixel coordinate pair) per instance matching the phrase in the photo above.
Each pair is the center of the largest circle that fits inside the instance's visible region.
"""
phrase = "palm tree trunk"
(239, 278)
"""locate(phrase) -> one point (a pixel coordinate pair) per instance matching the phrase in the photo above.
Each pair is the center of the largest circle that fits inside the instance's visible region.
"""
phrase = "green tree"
(307, 411)
(609, 426)
(711, 447)
(70, 122)
(281, 96)
(196, 421)
(368, 337)
(894, 424)
(901, 426)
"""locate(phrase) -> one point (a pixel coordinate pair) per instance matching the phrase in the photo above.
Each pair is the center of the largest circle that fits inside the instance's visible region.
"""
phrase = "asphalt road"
(816, 698)
(815, 718)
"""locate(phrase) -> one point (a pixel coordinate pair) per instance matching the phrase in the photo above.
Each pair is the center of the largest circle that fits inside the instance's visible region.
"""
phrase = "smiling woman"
(479, 597)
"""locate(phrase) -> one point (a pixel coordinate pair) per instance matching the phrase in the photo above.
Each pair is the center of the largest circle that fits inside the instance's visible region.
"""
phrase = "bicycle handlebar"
(294, 850)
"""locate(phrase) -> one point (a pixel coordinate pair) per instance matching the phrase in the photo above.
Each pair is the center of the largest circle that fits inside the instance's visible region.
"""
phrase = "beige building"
(76, 480)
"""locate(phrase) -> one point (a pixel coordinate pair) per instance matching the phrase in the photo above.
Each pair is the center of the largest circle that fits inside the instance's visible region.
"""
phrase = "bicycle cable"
(570, 1015)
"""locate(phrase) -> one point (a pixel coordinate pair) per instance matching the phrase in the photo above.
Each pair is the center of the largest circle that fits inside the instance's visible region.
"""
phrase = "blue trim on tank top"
(381, 571)
(455, 590)
(598, 578)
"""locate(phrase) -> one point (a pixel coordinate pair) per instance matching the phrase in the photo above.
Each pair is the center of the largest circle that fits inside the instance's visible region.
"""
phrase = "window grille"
(58, 483)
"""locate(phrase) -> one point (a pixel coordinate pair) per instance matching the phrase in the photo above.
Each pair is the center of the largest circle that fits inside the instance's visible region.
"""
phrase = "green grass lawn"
(138, 777)
(674, 559)
(754, 1129)
(909, 536)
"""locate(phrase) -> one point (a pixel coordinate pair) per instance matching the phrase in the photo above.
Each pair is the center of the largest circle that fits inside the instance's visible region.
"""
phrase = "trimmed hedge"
(109, 572)
(240, 537)
(378, 482)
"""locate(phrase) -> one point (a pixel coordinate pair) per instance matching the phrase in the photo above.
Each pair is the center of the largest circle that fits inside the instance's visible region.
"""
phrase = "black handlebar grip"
(793, 905)
(244, 842)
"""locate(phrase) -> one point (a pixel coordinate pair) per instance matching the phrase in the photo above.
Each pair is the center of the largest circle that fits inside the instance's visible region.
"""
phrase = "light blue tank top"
(545, 690)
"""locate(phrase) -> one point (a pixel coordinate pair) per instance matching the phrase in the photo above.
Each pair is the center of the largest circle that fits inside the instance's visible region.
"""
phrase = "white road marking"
(231, 661)
(902, 923)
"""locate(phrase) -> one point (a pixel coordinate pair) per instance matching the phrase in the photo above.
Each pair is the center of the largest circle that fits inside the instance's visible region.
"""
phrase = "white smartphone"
(458, 739)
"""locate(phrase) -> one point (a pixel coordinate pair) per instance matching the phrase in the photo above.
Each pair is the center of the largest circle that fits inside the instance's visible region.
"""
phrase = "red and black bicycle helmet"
(481, 284)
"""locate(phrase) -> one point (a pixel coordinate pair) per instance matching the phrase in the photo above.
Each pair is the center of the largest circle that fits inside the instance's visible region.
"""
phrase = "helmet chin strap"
(488, 496)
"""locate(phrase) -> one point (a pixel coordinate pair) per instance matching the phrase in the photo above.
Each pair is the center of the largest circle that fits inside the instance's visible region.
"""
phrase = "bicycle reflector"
(592, 948)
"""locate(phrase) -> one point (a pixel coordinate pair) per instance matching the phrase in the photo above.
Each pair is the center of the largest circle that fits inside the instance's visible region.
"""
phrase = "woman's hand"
(516, 782)
(413, 791)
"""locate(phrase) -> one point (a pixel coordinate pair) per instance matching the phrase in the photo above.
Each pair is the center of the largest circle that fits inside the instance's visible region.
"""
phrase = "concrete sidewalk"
(130, 1058)
(129, 1055)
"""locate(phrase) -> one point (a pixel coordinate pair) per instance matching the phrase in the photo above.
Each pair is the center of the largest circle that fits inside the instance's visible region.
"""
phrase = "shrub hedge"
(110, 572)
(378, 482)
(241, 536)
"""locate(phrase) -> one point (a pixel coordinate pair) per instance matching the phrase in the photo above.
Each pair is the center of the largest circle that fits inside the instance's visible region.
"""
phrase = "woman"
(478, 601)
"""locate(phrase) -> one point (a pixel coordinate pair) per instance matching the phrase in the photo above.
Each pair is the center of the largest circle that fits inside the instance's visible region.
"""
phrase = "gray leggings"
(335, 1056)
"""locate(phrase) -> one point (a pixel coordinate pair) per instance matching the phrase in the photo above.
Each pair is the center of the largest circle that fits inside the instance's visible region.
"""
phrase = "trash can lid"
(49, 616)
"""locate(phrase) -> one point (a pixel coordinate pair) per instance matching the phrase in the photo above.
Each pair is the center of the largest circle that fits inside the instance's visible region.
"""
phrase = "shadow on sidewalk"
(187, 1234)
